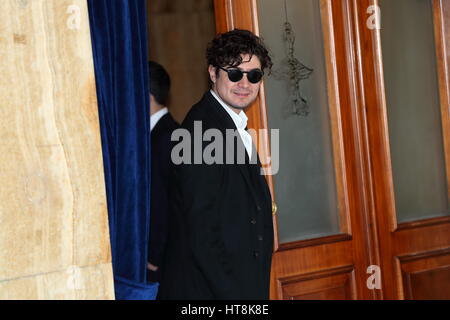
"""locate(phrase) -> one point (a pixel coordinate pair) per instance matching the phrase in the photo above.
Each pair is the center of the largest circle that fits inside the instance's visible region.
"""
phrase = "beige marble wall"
(179, 31)
(54, 238)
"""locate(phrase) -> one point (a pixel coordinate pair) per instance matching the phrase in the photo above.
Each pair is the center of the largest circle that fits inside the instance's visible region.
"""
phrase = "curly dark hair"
(225, 49)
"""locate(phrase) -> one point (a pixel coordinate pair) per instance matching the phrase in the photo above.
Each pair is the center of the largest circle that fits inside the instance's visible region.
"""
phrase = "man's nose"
(244, 83)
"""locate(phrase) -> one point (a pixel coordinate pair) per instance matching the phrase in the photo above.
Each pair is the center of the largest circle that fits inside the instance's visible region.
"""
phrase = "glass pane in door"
(297, 104)
(413, 108)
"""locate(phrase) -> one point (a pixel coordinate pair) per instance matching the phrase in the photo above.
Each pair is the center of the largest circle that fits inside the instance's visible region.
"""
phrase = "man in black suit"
(161, 125)
(221, 232)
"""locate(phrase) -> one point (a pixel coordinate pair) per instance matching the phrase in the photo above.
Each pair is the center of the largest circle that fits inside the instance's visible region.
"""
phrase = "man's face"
(238, 95)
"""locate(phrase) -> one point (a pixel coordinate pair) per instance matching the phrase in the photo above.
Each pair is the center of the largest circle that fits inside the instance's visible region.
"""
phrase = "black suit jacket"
(221, 232)
(161, 147)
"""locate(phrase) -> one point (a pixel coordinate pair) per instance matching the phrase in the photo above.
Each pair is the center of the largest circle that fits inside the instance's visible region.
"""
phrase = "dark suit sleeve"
(160, 199)
(202, 186)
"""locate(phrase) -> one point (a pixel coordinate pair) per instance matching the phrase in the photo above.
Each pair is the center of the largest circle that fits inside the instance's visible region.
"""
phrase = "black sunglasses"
(235, 75)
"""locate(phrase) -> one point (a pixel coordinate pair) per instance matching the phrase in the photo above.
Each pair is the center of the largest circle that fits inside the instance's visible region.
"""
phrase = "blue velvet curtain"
(119, 41)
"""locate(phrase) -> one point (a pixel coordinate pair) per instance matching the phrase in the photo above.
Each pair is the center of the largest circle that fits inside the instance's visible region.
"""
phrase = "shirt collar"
(154, 118)
(240, 120)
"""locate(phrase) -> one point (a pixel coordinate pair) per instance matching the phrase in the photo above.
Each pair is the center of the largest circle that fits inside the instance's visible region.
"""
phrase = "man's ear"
(212, 73)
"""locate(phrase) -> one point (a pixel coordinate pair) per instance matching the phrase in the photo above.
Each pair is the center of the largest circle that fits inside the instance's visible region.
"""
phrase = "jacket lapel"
(224, 121)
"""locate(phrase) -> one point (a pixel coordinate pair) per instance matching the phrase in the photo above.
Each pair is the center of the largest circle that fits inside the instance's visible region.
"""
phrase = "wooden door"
(367, 250)
(408, 142)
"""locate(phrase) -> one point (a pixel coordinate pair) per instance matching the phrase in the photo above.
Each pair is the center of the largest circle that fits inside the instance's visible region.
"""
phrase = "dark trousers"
(154, 276)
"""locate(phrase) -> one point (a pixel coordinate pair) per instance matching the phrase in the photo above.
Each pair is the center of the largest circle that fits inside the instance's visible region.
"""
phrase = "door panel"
(426, 276)
(334, 284)
(413, 109)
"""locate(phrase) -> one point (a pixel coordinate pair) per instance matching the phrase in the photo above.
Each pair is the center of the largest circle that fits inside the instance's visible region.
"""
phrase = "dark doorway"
(179, 31)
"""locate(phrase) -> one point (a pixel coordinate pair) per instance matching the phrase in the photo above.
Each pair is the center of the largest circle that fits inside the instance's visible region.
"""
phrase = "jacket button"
(253, 221)
(258, 207)
(256, 254)
(260, 238)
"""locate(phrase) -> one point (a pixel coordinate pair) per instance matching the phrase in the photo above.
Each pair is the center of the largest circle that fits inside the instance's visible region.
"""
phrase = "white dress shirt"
(240, 120)
(154, 118)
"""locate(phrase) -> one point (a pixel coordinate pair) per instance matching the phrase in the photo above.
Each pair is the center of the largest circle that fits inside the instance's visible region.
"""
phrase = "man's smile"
(242, 94)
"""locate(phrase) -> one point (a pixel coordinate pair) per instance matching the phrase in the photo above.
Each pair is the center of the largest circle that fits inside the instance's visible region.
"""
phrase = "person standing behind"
(161, 125)
(221, 231)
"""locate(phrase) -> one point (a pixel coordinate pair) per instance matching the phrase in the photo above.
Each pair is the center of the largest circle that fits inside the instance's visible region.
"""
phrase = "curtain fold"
(119, 42)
